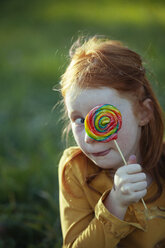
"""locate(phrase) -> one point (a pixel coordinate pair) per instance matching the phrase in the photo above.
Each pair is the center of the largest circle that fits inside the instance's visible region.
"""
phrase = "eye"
(79, 121)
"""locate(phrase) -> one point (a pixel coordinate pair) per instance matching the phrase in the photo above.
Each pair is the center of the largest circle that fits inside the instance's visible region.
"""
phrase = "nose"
(88, 139)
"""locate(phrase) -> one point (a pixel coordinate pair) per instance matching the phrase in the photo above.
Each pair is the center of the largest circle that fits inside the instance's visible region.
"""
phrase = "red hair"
(105, 63)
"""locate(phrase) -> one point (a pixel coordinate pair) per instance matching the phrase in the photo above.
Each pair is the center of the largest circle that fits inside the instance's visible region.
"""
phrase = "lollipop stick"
(122, 156)
(119, 150)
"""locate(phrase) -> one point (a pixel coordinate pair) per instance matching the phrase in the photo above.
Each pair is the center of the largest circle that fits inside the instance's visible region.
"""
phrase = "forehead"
(83, 100)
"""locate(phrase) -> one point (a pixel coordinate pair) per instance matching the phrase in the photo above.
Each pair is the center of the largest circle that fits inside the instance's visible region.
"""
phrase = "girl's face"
(104, 155)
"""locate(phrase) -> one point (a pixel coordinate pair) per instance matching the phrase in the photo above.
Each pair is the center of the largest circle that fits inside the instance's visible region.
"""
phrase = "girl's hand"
(130, 186)
(130, 183)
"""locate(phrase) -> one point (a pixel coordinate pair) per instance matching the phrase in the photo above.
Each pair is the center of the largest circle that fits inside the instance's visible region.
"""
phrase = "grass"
(35, 38)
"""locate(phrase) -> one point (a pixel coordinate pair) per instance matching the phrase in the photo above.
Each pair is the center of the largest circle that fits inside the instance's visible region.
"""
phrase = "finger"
(135, 187)
(138, 195)
(133, 168)
(132, 188)
(132, 160)
(129, 169)
(134, 178)
(126, 190)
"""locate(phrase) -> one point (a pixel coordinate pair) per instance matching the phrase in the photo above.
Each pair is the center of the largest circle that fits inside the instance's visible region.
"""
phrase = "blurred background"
(35, 37)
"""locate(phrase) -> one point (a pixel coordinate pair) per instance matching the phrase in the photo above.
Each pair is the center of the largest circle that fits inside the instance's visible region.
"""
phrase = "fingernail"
(132, 157)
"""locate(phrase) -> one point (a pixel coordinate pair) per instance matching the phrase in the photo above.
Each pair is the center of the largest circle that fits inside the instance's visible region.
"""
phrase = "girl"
(100, 196)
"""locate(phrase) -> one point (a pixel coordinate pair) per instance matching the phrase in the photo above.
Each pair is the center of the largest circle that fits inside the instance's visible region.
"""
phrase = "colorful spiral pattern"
(103, 122)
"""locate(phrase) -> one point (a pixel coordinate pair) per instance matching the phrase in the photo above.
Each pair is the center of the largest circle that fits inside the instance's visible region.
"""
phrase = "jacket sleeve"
(83, 226)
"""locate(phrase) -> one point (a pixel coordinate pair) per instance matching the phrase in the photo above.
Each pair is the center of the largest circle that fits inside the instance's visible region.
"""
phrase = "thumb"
(132, 159)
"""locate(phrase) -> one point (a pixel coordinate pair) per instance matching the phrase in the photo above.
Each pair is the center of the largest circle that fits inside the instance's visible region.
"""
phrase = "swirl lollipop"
(103, 122)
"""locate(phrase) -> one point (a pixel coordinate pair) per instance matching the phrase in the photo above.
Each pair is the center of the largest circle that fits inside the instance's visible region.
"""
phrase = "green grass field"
(34, 40)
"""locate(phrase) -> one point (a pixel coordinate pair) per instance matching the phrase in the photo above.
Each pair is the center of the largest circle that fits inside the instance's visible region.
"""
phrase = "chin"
(107, 163)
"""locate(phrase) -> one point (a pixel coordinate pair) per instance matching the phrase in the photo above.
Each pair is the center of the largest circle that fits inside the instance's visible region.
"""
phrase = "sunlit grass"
(141, 13)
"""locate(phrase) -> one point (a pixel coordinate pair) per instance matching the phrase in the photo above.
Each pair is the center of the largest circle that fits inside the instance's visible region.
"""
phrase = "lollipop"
(103, 122)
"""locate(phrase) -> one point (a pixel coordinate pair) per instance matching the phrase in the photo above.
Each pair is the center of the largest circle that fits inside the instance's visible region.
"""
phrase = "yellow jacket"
(86, 222)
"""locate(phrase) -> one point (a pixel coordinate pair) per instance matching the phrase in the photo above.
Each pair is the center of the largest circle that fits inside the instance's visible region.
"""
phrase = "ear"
(146, 112)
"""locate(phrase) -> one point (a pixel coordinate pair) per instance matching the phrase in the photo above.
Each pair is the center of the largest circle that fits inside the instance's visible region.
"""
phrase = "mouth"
(99, 154)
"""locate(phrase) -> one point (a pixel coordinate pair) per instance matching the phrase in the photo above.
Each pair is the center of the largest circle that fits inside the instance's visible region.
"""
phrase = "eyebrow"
(73, 113)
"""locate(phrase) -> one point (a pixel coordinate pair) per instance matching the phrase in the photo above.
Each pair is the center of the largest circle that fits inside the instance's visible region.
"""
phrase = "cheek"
(129, 135)
(130, 124)
(78, 133)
